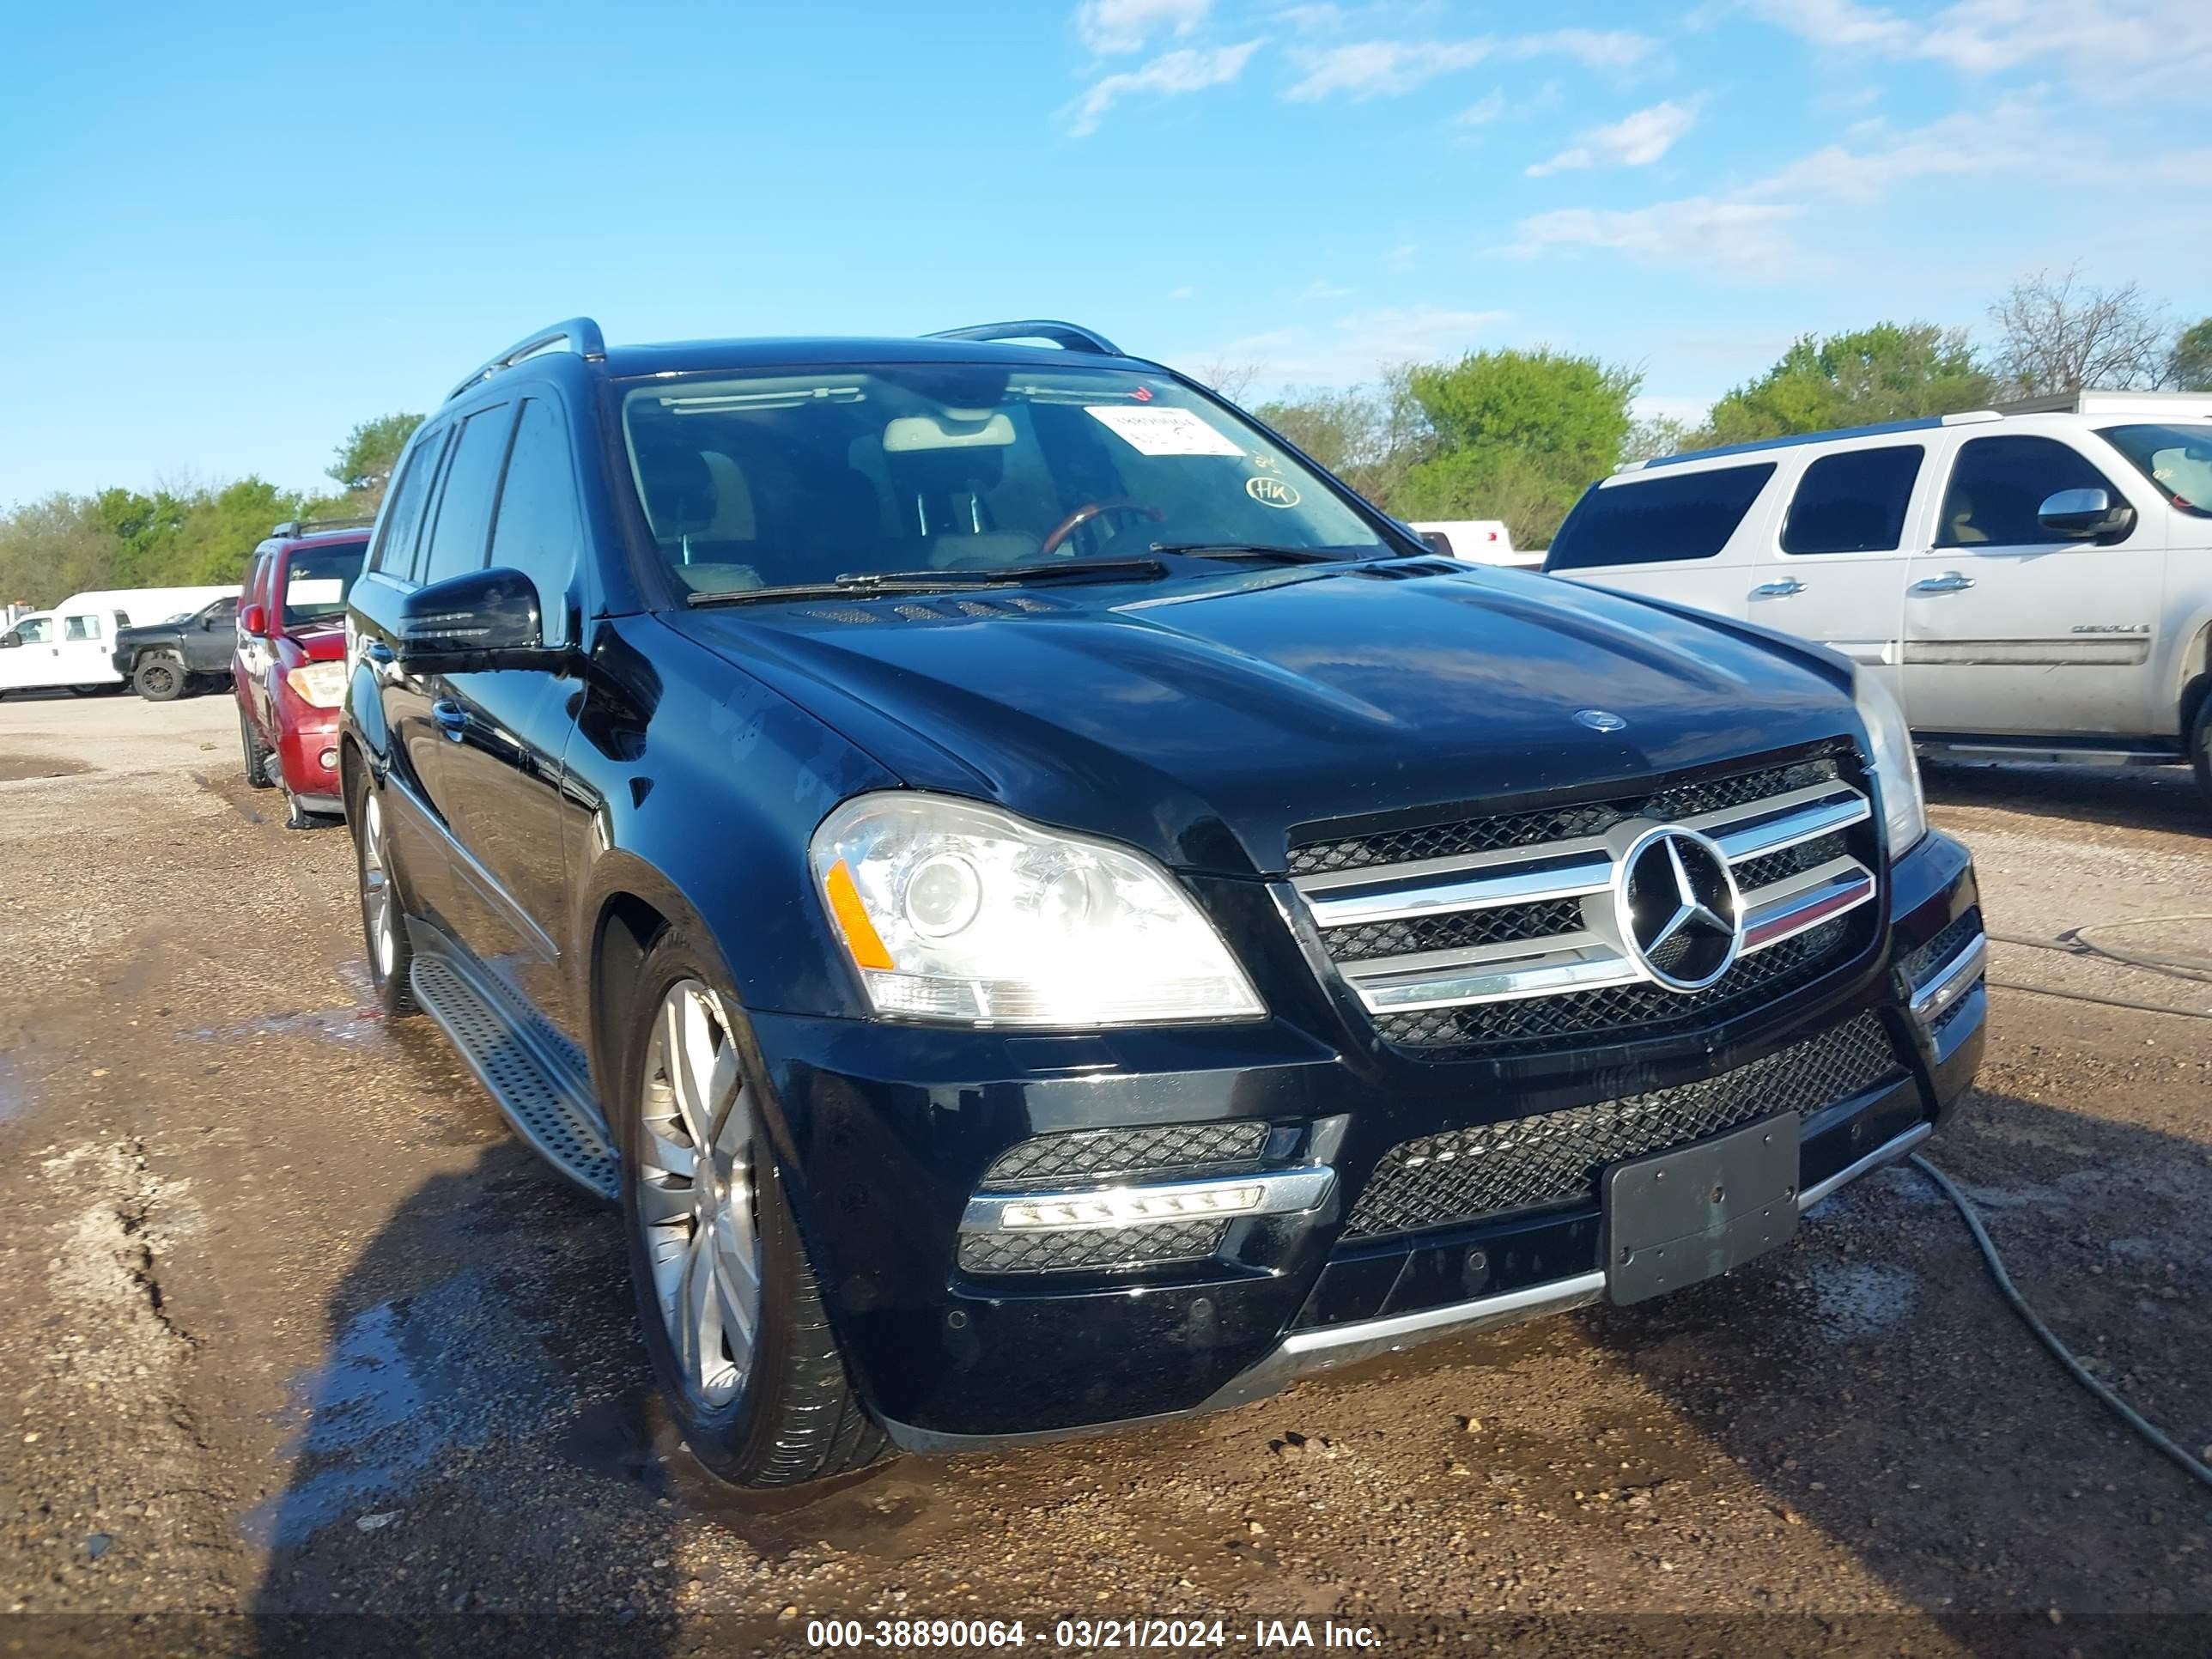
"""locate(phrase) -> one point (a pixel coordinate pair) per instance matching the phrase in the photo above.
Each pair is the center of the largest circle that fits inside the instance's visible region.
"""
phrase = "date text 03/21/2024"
(1088, 1634)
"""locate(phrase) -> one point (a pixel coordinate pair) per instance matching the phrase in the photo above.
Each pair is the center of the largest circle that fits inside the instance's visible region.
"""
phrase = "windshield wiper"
(1254, 551)
(862, 584)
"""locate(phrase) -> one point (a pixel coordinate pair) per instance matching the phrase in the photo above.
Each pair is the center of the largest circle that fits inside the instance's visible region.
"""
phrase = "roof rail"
(578, 334)
(1068, 337)
(2093, 401)
(1923, 423)
(317, 526)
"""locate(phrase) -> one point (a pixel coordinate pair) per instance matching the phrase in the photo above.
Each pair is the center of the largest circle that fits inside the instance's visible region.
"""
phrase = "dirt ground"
(300, 1349)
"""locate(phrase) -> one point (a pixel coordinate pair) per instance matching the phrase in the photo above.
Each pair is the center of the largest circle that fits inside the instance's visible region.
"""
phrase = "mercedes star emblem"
(1600, 720)
(1679, 914)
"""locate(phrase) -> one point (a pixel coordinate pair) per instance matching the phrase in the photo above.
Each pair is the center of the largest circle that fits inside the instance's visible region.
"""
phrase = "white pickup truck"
(1479, 541)
(70, 646)
(2034, 583)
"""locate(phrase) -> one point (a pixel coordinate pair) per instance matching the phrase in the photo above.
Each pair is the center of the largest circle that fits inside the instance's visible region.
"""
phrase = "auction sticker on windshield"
(1162, 431)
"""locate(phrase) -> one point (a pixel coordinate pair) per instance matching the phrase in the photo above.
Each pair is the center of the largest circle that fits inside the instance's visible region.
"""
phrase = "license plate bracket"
(1692, 1212)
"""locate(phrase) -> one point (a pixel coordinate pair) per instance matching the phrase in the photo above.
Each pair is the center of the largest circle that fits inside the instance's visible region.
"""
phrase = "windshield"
(317, 580)
(788, 479)
(2176, 459)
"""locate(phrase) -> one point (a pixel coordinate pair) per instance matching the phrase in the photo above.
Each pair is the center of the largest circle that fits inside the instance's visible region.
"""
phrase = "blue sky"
(227, 233)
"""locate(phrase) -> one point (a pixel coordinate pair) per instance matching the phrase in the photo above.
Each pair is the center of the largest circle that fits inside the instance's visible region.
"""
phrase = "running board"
(525, 1069)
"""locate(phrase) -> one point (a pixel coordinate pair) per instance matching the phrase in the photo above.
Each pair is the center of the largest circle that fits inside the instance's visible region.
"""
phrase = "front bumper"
(305, 735)
(887, 1132)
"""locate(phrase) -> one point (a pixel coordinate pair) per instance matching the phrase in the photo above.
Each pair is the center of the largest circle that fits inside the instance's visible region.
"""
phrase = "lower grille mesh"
(1941, 949)
(1090, 1249)
(1085, 1155)
(1554, 1157)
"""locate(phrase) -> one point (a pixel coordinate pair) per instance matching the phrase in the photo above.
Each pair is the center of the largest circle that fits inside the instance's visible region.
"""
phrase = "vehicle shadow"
(2126, 797)
(1871, 1381)
(473, 1469)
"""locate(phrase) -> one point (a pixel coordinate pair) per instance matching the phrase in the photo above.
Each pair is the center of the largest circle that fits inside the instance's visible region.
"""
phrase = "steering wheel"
(1084, 514)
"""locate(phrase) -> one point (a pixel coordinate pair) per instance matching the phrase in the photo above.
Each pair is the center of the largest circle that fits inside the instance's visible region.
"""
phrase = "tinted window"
(1853, 502)
(403, 513)
(2000, 484)
(803, 477)
(221, 611)
(458, 535)
(539, 531)
(2176, 459)
(1660, 516)
(255, 571)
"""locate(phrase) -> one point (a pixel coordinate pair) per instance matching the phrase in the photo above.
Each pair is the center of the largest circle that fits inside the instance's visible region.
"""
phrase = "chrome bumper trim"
(1952, 980)
(1888, 1152)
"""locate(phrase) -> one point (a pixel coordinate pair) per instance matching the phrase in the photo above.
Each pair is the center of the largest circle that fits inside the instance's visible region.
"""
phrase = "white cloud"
(1663, 406)
(1186, 292)
(1107, 26)
(1172, 73)
(1369, 68)
(1321, 288)
(1634, 141)
(2115, 49)
(1482, 112)
(1748, 237)
(1747, 230)
(1357, 344)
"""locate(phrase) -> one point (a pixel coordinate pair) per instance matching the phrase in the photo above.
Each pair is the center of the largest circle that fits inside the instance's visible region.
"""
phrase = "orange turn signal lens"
(860, 936)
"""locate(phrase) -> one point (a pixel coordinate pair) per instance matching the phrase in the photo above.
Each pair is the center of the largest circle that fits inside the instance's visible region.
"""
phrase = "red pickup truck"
(288, 670)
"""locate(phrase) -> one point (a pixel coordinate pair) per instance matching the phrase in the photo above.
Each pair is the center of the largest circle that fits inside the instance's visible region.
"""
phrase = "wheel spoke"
(702, 1308)
(738, 1294)
(661, 1204)
(665, 1155)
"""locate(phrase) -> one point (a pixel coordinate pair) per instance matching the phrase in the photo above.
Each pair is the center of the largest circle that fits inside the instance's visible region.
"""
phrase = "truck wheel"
(159, 677)
(2200, 747)
(383, 902)
(732, 1320)
(257, 754)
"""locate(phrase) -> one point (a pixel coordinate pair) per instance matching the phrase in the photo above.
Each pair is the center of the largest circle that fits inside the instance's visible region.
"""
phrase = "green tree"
(1371, 436)
(2190, 368)
(364, 461)
(1890, 372)
(1518, 435)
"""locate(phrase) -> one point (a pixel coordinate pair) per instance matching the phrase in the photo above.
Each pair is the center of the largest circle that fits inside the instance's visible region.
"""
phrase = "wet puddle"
(337, 1025)
(15, 769)
(1855, 1300)
(408, 1383)
(14, 1089)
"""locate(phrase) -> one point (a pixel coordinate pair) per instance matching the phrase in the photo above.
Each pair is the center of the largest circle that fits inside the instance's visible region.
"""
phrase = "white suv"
(2033, 583)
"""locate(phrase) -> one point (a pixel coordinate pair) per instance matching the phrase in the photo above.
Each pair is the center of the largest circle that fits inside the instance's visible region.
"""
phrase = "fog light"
(328, 760)
(1121, 1207)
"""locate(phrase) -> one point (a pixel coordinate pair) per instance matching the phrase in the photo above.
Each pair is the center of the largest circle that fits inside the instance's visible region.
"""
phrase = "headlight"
(1896, 767)
(954, 911)
(320, 684)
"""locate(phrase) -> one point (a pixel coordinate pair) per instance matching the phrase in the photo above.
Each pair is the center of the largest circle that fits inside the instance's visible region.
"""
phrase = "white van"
(69, 645)
(1479, 541)
(2034, 583)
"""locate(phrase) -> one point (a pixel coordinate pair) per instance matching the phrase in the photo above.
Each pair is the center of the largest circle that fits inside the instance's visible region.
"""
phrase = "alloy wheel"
(696, 1196)
(376, 908)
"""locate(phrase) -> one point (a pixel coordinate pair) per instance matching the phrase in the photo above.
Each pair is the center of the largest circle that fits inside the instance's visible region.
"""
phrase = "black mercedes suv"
(1047, 909)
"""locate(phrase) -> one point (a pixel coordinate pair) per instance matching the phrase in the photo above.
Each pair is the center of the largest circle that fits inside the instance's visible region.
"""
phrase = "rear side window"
(1853, 502)
(1658, 518)
(86, 626)
(1998, 487)
(459, 534)
(402, 514)
(539, 531)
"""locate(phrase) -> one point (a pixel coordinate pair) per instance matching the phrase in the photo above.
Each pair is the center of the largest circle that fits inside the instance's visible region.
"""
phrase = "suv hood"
(1209, 722)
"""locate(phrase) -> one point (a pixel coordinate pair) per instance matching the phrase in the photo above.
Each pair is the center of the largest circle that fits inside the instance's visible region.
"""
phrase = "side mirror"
(2085, 515)
(477, 621)
(254, 619)
(10, 639)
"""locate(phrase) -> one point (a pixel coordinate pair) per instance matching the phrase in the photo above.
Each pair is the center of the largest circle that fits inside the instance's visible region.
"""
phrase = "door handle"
(452, 718)
(1781, 590)
(1949, 582)
(379, 652)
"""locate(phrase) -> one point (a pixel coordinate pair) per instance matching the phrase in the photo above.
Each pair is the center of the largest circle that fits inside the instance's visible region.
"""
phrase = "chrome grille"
(1506, 930)
(1554, 1157)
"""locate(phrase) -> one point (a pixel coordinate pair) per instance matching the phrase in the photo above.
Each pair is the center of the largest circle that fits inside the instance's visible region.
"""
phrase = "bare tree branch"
(2062, 334)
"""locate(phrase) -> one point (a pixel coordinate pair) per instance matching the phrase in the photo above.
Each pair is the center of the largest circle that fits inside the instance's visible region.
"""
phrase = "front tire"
(255, 751)
(159, 677)
(383, 901)
(731, 1317)
(2200, 747)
